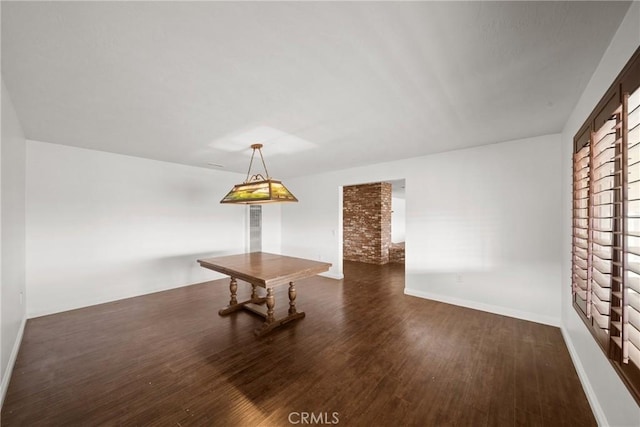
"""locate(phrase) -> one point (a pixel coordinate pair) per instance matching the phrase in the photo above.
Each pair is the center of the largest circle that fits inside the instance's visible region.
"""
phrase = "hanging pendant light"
(258, 189)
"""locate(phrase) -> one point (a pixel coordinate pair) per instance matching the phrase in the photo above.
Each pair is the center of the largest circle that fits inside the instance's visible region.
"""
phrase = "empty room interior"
(320, 213)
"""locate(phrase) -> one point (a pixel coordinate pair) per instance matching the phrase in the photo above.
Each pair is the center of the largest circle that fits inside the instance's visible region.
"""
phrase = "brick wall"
(367, 222)
(396, 253)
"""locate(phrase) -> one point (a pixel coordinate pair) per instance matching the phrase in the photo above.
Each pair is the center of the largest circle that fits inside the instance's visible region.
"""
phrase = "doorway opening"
(373, 222)
(398, 221)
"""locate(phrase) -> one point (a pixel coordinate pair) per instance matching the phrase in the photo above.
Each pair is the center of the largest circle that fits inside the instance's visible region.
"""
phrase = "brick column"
(367, 222)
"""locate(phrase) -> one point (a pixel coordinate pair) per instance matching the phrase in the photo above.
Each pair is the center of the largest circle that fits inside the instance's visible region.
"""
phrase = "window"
(606, 224)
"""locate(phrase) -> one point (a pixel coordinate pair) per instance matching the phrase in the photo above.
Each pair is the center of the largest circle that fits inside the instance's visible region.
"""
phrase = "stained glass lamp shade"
(267, 191)
(257, 189)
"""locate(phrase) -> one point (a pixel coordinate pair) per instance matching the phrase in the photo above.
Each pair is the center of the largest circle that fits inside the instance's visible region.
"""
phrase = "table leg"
(270, 322)
(271, 303)
(234, 305)
(233, 287)
(292, 298)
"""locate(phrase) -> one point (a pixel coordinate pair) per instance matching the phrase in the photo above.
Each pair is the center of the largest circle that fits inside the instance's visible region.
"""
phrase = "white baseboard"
(601, 419)
(105, 299)
(331, 275)
(518, 314)
(6, 376)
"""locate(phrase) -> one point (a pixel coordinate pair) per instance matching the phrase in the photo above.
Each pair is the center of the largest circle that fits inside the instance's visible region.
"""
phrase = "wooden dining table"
(264, 270)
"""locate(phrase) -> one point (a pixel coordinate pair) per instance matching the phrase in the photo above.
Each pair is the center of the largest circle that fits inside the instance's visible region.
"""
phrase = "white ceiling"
(323, 86)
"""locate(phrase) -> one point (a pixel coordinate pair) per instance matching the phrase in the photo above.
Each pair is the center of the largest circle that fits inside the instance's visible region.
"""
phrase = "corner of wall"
(598, 412)
(12, 238)
(6, 376)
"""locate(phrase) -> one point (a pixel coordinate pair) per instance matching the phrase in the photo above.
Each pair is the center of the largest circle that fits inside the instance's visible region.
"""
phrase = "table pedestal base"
(256, 305)
(269, 326)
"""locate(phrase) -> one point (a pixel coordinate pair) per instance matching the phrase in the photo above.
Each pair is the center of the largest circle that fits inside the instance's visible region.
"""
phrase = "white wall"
(102, 226)
(482, 225)
(271, 228)
(12, 230)
(398, 219)
(612, 403)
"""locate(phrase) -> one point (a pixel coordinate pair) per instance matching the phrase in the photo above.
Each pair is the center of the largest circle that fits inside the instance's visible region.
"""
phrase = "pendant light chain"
(264, 165)
(250, 164)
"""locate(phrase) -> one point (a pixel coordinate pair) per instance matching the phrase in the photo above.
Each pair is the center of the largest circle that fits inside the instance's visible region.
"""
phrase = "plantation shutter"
(630, 295)
(605, 276)
(604, 216)
(581, 258)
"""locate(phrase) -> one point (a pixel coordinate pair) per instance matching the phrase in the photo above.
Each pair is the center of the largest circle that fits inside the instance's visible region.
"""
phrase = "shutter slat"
(602, 293)
(600, 320)
(634, 354)
(633, 317)
(632, 299)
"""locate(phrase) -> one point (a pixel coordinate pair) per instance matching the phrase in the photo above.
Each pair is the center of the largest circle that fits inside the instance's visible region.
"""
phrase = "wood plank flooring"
(365, 352)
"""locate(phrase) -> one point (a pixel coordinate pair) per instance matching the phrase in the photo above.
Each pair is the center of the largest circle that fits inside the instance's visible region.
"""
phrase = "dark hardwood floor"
(365, 352)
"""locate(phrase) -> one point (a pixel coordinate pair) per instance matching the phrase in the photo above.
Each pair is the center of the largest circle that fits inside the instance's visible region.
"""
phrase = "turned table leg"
(292, 298)
(233, 301)
(233, 287)
(254, 292)
(271, 322)
(271, 302)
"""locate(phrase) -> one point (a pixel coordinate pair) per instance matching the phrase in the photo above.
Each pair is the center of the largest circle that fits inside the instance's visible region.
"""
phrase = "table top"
(265, 269)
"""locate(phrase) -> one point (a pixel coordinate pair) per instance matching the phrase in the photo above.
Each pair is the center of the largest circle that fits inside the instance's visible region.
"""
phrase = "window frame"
(612, 102)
